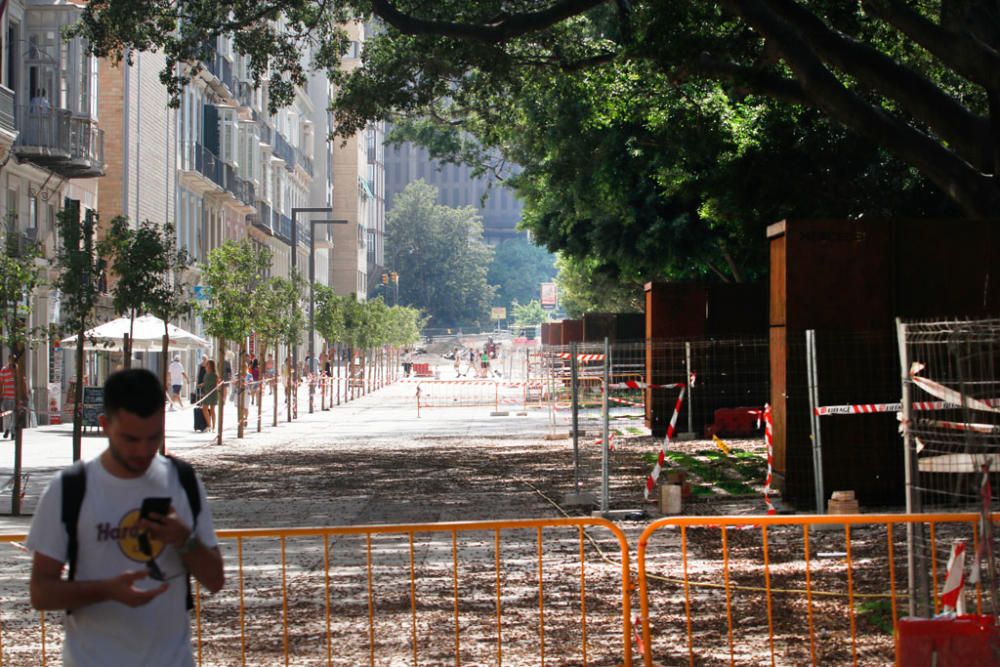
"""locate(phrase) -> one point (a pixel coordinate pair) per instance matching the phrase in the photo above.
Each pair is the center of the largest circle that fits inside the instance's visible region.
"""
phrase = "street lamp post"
(312, 297)
(294, 262)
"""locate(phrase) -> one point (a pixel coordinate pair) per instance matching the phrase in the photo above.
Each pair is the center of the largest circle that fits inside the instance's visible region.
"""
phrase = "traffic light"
(395, 277)
(385, 278)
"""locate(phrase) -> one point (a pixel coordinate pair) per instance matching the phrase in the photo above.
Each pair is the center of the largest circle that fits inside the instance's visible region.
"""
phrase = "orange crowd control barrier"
(526, 591)
(760, 590)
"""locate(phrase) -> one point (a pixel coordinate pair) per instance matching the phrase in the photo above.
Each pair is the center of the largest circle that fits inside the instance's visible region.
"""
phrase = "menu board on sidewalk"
(93, 405)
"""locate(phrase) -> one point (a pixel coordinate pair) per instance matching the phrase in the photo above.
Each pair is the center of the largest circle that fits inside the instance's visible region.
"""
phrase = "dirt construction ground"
(524, 596)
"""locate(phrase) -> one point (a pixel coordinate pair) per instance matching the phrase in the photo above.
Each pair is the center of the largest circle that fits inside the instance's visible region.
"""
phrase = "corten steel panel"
(676, 310)
(597, 326)
(630, 326)
(547, 337)
(779, 375)
(571, 332)
(777, 275)
(837, 275)
(947, 269)
(846, 277)
(555, 333)
(736, 310)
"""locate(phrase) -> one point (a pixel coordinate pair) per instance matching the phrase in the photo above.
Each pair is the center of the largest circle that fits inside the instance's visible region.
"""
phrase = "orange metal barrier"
(757, 591)
(442, 593)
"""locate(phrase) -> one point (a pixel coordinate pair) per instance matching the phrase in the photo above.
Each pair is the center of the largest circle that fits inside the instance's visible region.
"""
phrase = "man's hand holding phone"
(159, 519)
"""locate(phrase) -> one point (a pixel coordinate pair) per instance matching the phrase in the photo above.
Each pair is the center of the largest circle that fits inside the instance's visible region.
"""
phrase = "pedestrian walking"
(132, 525)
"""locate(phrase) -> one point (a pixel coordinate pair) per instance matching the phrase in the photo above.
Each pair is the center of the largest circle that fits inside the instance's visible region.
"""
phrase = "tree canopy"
(922, 80)
(517, 270)
(657, 139)
(440, 257)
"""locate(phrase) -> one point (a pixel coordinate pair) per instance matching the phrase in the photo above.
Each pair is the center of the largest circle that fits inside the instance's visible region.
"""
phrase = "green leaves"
(440, 256)
(234, 273)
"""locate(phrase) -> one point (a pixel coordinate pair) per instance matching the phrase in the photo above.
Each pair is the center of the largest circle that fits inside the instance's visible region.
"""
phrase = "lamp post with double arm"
(312, 296)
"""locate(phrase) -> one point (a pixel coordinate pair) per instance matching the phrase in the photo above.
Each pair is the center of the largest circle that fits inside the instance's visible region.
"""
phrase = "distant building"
(500, 210)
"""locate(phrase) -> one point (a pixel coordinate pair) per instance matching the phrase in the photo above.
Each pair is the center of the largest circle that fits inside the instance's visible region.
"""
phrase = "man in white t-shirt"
(119, 614)
(178, 376)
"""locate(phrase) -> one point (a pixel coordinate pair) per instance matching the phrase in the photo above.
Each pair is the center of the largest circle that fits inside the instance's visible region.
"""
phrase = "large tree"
(517, 270)
(440, 257)
(920, 79)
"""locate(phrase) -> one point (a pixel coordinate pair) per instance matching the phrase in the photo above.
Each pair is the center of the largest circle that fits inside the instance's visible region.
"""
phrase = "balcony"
(304, 233)
(283, 227)
(305, 162)
(7, 111)
(264, 218)
(56, 139)
(284, 151)
(221, 69)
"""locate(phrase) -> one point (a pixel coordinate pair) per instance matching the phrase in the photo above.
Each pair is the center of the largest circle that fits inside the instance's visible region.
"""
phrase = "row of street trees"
(150, 275)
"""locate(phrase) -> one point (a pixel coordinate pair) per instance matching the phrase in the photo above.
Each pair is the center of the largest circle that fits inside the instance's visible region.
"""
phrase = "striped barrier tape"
(984, 429)
(632, 384)
(582, 357)
(950, 395)
(874, 408)
(951, 593)
(768, 439)
(661, 457)
(622, 401)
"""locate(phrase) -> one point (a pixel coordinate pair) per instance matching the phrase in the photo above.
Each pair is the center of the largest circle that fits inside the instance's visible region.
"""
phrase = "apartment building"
(51, 149)
(357, 165)
(457, 187)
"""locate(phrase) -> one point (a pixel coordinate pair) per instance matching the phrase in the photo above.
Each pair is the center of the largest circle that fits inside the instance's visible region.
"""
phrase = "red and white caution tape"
(582, 357)
(632, 384)
(874, 408)
(985, 429)
(951, 593)
(622, 401)
(768, 438)
(661, 457)
(949, 395)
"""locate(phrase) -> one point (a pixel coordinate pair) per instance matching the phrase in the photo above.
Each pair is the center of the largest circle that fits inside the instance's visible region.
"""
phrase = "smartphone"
(159, 506)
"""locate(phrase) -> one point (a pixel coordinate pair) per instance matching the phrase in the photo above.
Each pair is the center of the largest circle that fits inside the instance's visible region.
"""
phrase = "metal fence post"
(605, 473)
(916, 565)
(814, 423)
(575, 388)
(687, 381)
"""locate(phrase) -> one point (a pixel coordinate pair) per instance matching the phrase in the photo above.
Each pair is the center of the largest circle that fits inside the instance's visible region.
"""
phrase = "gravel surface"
(372, 462)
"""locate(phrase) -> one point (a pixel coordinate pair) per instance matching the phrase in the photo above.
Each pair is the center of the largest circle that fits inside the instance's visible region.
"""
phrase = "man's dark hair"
(135, 390)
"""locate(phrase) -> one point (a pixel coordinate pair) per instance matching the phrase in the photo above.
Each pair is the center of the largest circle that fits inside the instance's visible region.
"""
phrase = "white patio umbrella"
(147, 336)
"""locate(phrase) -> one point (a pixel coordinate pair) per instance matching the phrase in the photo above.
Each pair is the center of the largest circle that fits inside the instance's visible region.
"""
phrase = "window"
(228, 135)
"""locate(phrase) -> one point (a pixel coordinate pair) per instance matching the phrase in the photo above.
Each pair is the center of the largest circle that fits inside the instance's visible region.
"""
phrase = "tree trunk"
(277, 383)
(220, 373)
(289, 380)
(18, 419)
(241, 387)
(262, 375)
(164, 351)
(78, 397)
(126, 351)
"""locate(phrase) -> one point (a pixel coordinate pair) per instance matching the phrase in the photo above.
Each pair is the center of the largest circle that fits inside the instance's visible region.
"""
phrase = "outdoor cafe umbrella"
(147, 336)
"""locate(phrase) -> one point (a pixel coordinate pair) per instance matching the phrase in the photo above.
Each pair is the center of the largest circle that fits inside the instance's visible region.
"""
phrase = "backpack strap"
(74, 486)
(186, 476)
(189, 482)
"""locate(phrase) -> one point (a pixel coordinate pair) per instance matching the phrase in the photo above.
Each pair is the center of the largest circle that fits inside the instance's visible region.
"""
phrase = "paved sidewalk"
(389, 412)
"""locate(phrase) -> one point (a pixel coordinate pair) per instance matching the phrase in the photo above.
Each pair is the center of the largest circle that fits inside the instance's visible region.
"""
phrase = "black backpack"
(74, 486)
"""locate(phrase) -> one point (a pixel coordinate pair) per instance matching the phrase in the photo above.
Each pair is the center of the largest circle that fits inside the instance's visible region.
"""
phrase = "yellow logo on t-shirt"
(135, 544)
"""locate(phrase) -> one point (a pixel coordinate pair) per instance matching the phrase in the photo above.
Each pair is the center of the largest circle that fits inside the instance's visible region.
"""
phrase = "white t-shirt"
(110, 633)
(176, 371)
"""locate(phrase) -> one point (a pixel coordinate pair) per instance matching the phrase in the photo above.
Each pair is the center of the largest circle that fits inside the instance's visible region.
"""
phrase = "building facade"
(496, 205)
(219, 167)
